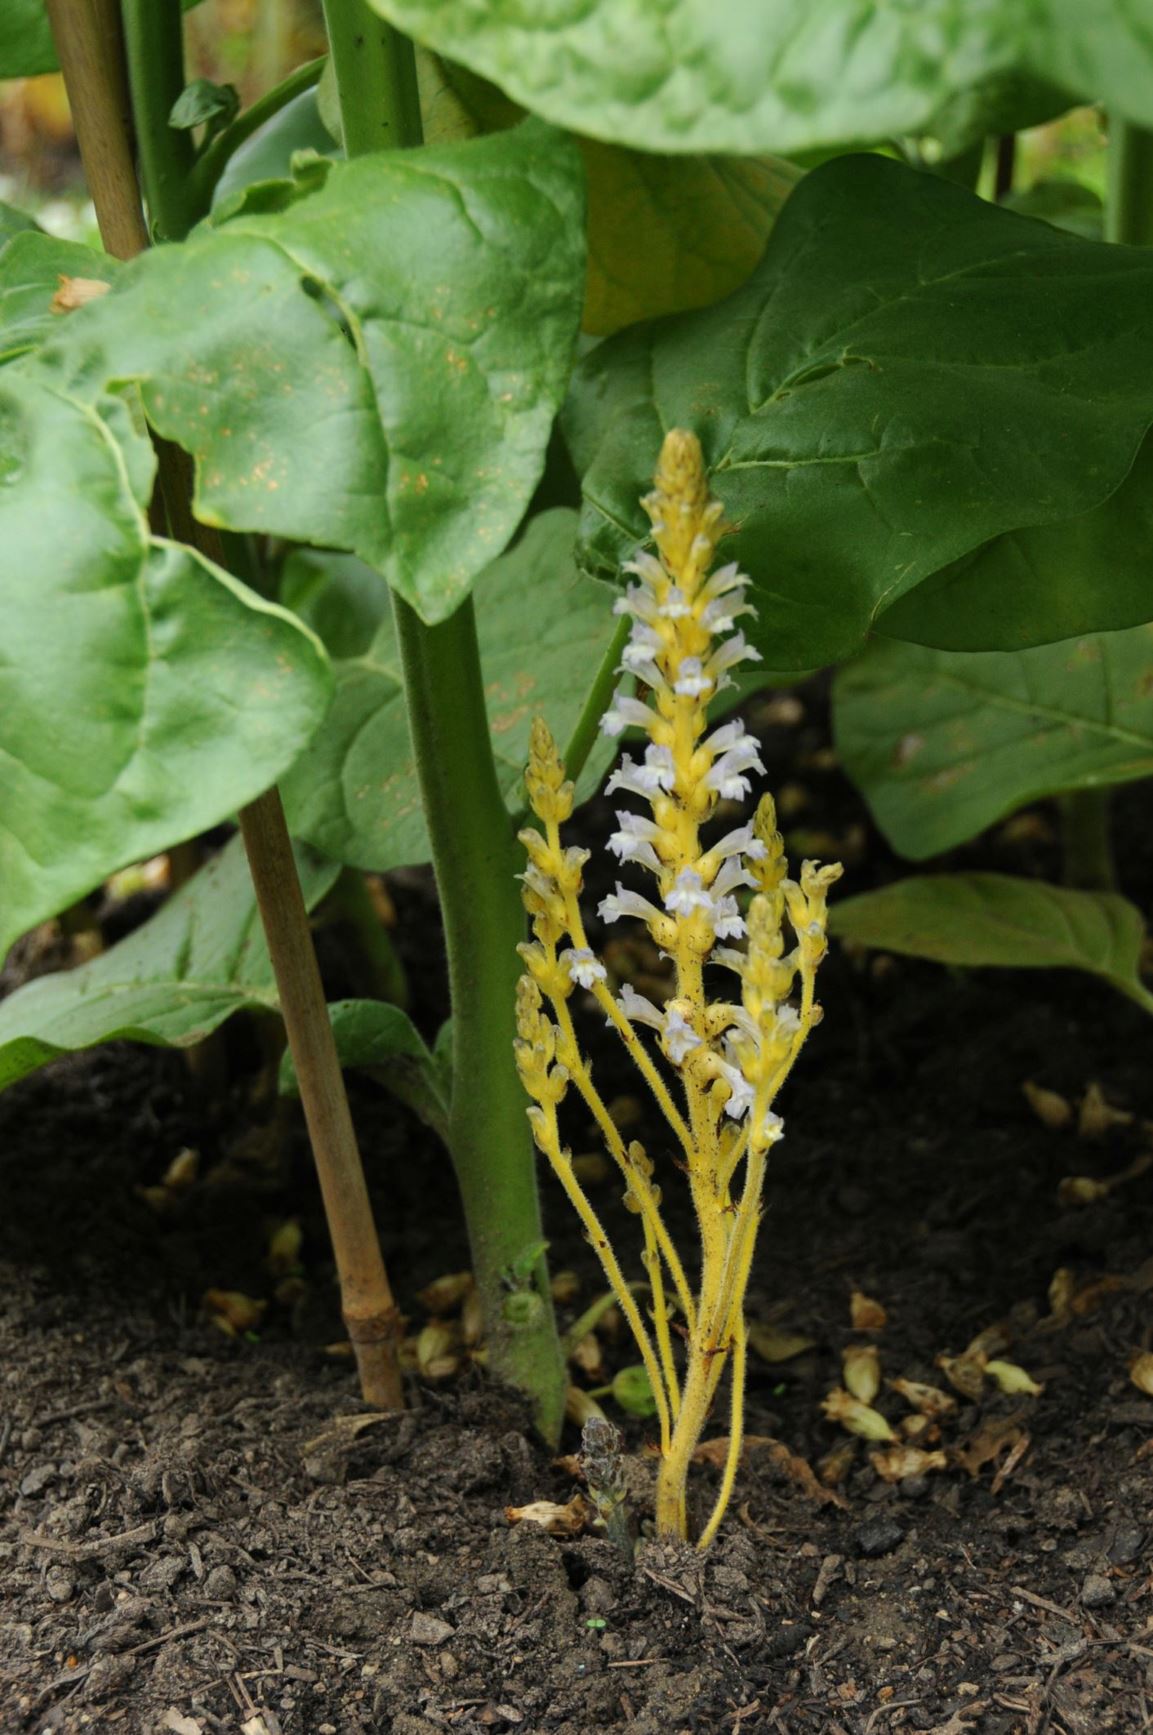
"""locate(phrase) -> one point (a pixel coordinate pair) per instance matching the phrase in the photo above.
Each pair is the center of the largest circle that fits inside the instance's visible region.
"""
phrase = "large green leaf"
(543, 633)
(31, 268)
(740, 75)
(368, 358)
(994, 919)
(382, 1040)
(1043, 583)
(267, 154)
(665, 233)
(909, 372)
(201, 958)
(942, 744)
(144, 694)
(14, 221)
(26, 46)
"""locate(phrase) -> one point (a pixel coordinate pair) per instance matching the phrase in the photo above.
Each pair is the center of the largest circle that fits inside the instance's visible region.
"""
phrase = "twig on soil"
(91, 1550)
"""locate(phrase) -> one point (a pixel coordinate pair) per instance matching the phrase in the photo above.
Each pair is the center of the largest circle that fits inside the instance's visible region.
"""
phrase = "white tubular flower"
(742, 841)
(729, 958)
(728, 922)
(675, 606)
(638, 1008)
(731, 652)
(720, 613)
(733, 873)
(680, 1037)
(740, 1091)
(729, 736)
(638, 602)
(788, 1020)
(647, 568)
(583, 966)
(623, 902)
(659, 760)
(688, 894)
(772, 1128)
(691, 679)
(725, 776)
(644, 780)
(724, 580)
(625, 712)
(635, 839)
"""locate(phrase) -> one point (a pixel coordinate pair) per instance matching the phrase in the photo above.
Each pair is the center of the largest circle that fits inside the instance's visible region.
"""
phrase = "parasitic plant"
(720, 1056)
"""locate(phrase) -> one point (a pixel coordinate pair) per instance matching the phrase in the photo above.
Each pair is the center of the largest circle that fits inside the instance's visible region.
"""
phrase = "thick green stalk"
(476, 862)
(1129, 208)
(154, 47)
(474, 855)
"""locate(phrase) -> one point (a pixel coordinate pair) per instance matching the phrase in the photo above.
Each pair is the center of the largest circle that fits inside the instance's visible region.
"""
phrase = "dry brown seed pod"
(592, 1169)
(1062, 1289)
(445, 1294)
(865, 1313)
(856, 1417)
(1081, 1190)
(1012, 1379)
(232, 1311)
(1141, 1372)
(588, 1357)
(565, 1286)
(928, 1400)
(836, 1464)
(472, 1320)
(1098, 1116)
(437, 1345)
(1051, 1109)
(774, 1344)
(965, 1373)
(569, 1520)
(861, 1371)
(897, 1462)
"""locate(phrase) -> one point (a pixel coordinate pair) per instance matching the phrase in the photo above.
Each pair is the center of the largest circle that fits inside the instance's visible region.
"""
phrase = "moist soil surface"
(203, 1533)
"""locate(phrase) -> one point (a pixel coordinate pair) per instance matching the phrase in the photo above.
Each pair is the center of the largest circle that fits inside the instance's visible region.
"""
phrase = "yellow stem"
(612, 1271)
(736, 1433)
(652, 1264)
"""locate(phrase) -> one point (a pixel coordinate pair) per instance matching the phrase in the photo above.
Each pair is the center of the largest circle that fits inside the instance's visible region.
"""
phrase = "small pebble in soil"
(59, 1583)
(220, 1584)
(1126, 1545)
(428, 1630)
(878, 1535)
(1097, 1592)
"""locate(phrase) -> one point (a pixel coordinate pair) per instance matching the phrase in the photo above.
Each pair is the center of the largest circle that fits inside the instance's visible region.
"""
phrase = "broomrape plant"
(728, 1052)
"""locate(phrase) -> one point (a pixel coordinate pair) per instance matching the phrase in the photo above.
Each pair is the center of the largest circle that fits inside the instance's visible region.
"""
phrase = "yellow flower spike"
(714, 1067)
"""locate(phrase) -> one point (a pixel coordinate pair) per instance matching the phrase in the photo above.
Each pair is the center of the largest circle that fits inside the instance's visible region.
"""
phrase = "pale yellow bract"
(728, 1057)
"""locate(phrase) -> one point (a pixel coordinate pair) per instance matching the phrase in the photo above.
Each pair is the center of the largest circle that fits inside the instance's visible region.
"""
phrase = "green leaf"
(370, 358)
(671, 233)
(31, 266)
(203, 103)
(13, 221)
(355, 792)
(1065, 203)
(201, 958)
(909, 372)
(144, 694)
(1006, 102)
(268, 154)
(737, 75)
(26, 46)
(993, 919)
(381, 1040)
(1042, 583)
(943, 744)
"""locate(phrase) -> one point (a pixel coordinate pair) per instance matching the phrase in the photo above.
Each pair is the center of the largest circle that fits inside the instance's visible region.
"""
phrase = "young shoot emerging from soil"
(729, 1054)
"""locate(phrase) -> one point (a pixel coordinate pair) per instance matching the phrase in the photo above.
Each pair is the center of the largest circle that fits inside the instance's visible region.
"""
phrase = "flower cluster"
(722, 903)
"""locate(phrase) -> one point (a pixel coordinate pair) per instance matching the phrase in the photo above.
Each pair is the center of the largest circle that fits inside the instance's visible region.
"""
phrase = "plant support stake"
(90, 46)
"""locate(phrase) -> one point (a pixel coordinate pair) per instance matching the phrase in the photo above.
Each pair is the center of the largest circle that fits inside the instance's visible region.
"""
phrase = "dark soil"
(196, 1536)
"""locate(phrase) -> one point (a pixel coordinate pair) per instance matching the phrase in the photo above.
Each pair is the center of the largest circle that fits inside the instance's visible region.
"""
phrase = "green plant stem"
(580, 742)
(376, 78)
(352, 901)
(1129, 207)
(211, 163)
(154, 44)
(473, 851)
(1086, 845)
(89, 43)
